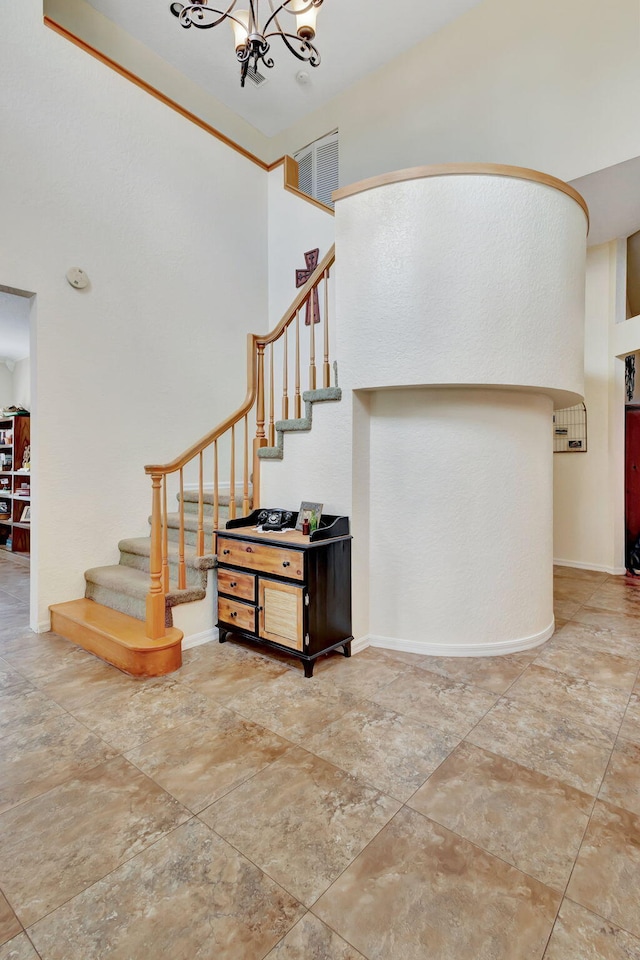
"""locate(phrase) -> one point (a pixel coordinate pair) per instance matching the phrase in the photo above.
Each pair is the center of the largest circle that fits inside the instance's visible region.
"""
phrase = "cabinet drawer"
(280, 561)
(242, 585)
(239, 614)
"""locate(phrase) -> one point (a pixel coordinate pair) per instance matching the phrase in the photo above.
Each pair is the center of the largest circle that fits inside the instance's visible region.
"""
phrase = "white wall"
(295, 226)
(22, 384)
(550, 86)
(460, 521)
(80, 19)
(589, 487)
(6, 386)
(133, 369)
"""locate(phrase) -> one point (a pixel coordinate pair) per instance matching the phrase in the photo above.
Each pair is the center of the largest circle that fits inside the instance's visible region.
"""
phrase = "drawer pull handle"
(285, 563)
(233, 583)
(234, 613)
(249, 549)
(225, 552)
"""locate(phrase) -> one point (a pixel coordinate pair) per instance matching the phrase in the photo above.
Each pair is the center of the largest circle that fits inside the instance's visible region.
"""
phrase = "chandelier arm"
(307, 52)
(283, 6)
(202, 10)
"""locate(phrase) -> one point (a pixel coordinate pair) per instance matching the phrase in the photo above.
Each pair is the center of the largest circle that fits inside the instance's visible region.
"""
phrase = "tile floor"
(394, 807)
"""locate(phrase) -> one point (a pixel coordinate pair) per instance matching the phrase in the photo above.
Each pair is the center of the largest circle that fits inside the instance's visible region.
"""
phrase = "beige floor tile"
(599, 639)
(292, 705)
(597, 666)
(569, 751)
(411, 659)
(10, 926)
(630, 728)
(37, 757)
(448, 705)
(85, 682)
(575, 573)
(135, 713)
(302, 821)
(9, 676)
(495, 674)
(572, 697)
(23, 705)
(230, 676)
(311, 939)
(565, 609)
(57, 844)
(190, 895)
(42, 654)
(20, 948)
(207, 759)
(621, 785)
(389, 750)
(618, 623)
(573, 590)
(420, 891)
(618, 597)
(506, 808)
(579, 934)
(606, 877)
(362, 675)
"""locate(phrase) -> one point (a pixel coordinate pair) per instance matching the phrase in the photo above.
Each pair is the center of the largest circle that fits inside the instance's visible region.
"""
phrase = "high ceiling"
(354, 38)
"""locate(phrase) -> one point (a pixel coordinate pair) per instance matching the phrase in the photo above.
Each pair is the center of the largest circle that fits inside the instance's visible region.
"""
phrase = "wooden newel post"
(155, 597)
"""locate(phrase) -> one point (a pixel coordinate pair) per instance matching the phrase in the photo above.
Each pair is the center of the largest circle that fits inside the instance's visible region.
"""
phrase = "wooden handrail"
(253, 339)
(260, 386)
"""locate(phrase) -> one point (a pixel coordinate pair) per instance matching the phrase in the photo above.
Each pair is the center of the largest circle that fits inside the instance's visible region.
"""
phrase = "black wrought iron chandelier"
(251, 36)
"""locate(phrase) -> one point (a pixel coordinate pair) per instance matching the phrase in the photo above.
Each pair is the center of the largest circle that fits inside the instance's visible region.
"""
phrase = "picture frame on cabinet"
(311, 512)
(26, 515)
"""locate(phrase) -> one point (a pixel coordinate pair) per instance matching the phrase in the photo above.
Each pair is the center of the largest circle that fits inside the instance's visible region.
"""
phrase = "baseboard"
(357, 646)
(197, 639)
(599, 568)
(44, 626)
(462, 649)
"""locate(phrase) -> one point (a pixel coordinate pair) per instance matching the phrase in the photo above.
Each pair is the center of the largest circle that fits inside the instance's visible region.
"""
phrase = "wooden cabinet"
(15, 484)
(286, 590)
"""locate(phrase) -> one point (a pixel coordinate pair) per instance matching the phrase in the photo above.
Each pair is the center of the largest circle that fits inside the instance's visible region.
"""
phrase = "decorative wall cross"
(311, 258)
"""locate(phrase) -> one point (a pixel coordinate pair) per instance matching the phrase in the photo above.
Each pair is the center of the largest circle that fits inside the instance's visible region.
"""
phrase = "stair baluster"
(254, 400)
(326, 369)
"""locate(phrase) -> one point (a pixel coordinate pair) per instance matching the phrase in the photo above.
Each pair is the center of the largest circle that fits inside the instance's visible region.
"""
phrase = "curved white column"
(466, 291)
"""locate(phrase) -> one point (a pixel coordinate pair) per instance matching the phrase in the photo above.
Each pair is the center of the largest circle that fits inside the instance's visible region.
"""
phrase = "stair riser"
(122, 602)
(195, 578)
(207, 510)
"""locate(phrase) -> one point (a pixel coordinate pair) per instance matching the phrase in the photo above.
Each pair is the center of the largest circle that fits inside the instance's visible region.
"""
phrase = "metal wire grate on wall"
(570, 429)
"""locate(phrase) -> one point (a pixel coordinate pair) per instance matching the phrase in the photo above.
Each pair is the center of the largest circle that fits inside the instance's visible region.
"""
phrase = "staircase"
(126, 615)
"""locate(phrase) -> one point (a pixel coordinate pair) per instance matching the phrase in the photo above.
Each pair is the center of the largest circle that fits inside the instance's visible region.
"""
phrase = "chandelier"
(251, 36)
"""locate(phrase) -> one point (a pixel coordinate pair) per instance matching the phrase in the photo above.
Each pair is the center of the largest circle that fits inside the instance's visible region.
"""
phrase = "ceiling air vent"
(256, 78)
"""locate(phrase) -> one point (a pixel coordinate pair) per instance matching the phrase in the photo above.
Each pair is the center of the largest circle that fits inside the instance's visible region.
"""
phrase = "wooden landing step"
(117, 638)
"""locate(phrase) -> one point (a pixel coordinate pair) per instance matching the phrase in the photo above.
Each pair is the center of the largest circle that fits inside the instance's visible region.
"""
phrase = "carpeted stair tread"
(141, 547)
(135, 583)
(190, 522)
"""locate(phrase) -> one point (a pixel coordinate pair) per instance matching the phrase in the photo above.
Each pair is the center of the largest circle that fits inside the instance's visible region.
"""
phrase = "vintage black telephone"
(275, 519)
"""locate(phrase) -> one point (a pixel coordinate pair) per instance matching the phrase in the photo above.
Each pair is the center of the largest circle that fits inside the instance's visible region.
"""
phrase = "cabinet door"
(281, 607)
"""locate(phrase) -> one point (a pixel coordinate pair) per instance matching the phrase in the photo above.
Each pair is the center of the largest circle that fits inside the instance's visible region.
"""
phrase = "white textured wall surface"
(22, 384)
(549, 86)
(462, 280)
(135, 368)
(295, 226)
(460, 520)
(586, 488)
(6, 385)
